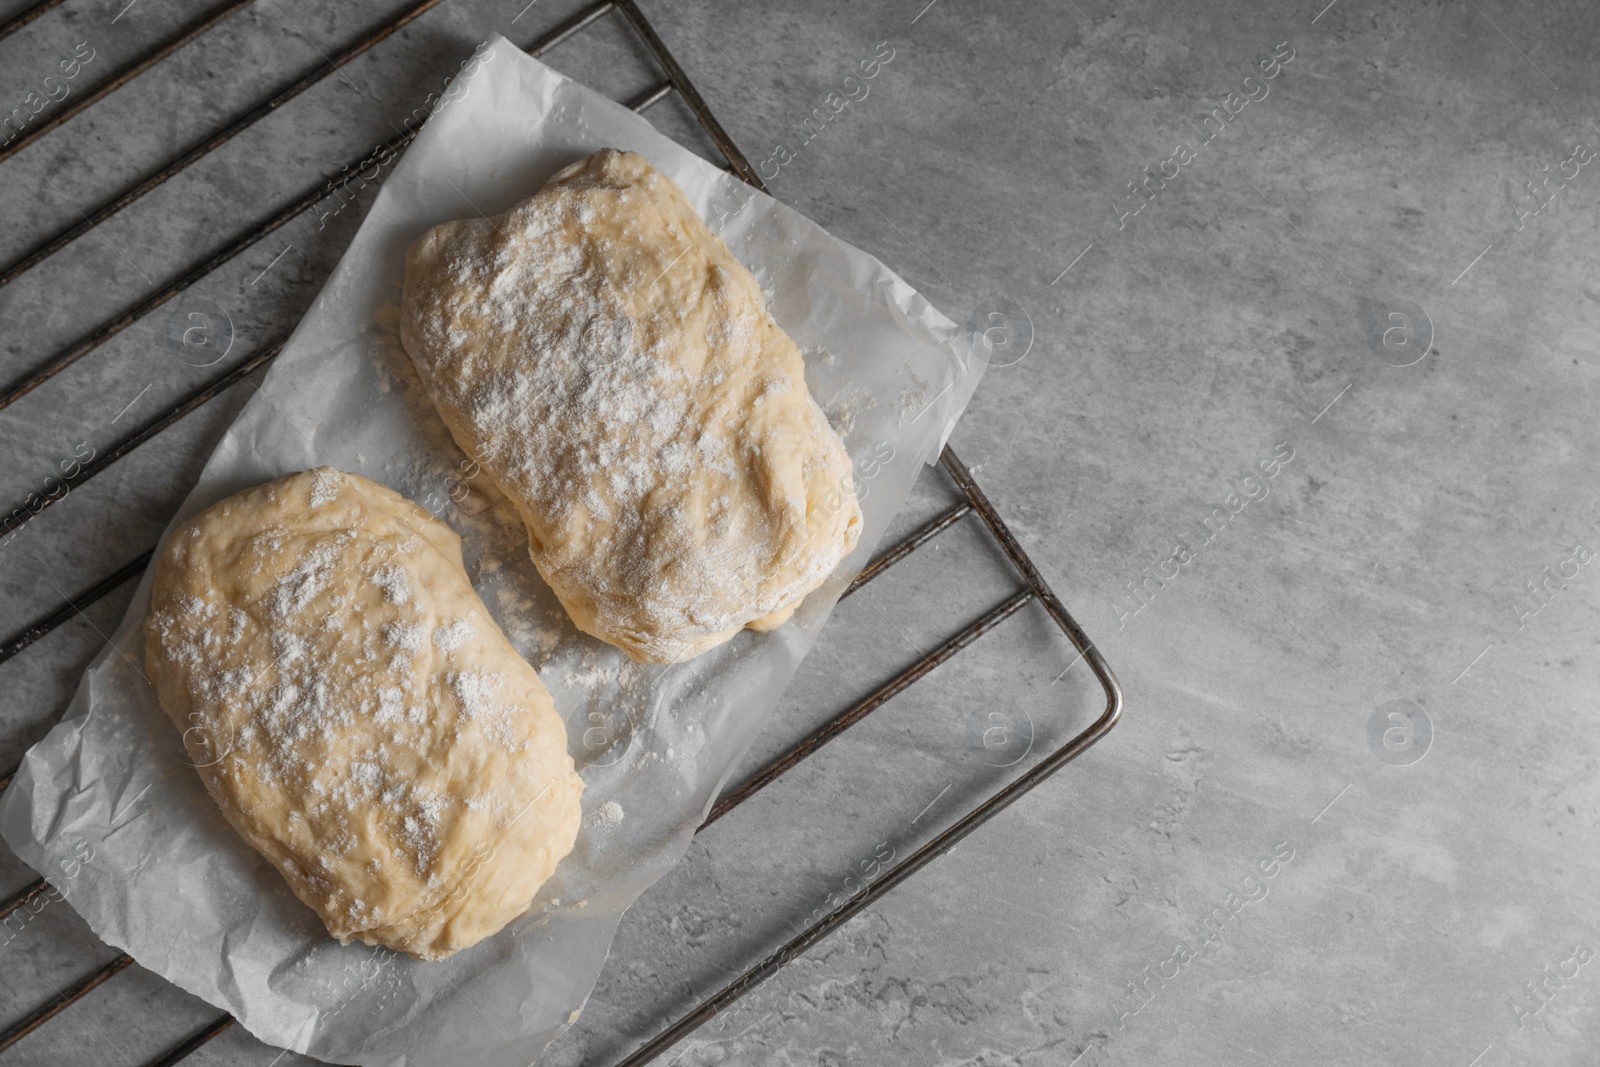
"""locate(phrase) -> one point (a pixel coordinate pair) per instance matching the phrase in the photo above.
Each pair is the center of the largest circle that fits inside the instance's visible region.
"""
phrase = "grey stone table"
(1302, 429)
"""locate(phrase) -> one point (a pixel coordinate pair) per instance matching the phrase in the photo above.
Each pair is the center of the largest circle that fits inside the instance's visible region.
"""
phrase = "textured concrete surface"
(1269, 861)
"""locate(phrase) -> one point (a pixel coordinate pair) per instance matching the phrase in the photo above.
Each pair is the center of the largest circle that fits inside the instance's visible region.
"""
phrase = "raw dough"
(358, 715)
(614, 370)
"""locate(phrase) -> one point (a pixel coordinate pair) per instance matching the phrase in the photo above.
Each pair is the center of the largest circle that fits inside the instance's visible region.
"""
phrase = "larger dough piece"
(614, 370)
(357, 714)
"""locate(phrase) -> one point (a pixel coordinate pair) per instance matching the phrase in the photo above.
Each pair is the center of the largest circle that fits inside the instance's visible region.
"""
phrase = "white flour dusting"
(608, 815)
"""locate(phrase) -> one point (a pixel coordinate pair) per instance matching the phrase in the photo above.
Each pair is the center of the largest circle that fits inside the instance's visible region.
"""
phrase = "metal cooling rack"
(975, 502)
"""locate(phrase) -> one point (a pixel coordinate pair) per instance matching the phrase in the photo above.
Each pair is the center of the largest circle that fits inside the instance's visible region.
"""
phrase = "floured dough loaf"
(357, 714)
(614, 370)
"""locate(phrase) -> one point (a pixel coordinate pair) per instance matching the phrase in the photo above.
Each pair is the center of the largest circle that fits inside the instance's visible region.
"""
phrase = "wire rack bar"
(106, 331)
(691, 95)
(899, 684)
(28, 893)
(1019, 556)
(906, 547)
(89, 220)
(64, 1000)
(189, 1047)
(124, 76)
(16, 22)
(194, 1043)
(22, 515)
(42, 626)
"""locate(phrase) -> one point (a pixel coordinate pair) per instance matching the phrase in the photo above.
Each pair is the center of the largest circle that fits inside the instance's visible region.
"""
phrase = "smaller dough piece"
(615, 371)
(356, 713)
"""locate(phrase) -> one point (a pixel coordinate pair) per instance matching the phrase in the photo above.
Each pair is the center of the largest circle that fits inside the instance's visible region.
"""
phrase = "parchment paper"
(106, 805)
